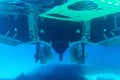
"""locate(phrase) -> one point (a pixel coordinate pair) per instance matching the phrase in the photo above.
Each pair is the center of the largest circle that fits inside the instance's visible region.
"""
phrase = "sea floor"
(72, 72)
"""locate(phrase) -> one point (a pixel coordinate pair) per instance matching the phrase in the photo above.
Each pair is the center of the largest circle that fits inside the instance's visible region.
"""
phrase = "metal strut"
(37, 52)
(43, 52)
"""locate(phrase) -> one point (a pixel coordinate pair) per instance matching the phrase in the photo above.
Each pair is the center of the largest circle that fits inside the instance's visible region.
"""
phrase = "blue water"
(102, 63)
